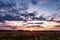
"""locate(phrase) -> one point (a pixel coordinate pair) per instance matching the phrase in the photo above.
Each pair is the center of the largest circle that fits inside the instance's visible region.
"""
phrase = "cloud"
(32, 8)
(39, 7)
(39, 1)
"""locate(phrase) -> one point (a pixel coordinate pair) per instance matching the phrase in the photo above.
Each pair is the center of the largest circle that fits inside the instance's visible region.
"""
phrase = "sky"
(45, 7)
(40, 7)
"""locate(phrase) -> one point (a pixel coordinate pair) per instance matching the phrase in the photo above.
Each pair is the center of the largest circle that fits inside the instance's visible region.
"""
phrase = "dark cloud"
(58, 9)
(34, 2)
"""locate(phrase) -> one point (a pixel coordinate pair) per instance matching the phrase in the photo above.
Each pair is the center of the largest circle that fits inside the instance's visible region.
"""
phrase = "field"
(29, 35)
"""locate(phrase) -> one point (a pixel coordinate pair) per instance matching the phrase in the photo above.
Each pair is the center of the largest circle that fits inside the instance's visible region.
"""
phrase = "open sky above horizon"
(40, 7)
(46, 8)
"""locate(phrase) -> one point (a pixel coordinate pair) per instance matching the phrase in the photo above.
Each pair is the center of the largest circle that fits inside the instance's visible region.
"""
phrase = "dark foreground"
(29, 35)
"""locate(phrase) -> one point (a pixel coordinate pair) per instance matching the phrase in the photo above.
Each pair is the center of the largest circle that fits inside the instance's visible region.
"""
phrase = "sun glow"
(31, 29)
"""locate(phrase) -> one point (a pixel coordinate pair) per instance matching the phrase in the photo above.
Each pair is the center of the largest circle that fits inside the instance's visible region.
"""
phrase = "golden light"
(48, 26)
(31, 29)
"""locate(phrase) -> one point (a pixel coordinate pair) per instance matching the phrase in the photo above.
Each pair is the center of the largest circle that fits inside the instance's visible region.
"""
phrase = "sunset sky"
(13, 9)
